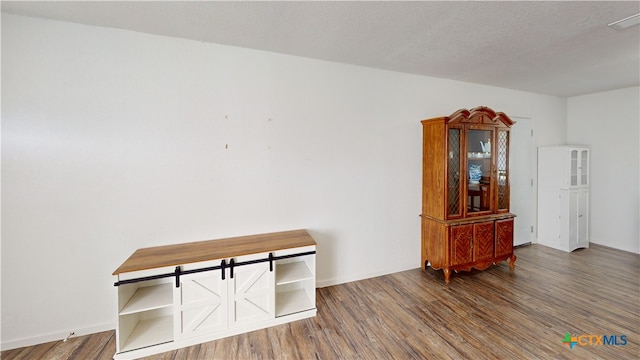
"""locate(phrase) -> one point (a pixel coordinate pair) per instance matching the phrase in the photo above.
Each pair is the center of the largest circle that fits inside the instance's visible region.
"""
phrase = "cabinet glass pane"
(574, 167)
(454, 172)
(478, 170)
(584, 168)
(502, 162)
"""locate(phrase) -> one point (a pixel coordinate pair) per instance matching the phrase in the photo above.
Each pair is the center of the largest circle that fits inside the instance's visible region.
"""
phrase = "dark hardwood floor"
(494, 314)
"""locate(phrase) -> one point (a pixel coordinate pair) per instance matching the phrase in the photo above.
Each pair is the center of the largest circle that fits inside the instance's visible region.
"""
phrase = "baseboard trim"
(58, 336)
(347, 279)
(522, 245)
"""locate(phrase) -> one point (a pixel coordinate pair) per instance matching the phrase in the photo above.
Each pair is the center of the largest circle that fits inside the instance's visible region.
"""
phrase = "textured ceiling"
(555, 48)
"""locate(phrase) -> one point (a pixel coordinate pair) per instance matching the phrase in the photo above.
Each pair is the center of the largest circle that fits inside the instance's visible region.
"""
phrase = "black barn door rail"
(223, 265)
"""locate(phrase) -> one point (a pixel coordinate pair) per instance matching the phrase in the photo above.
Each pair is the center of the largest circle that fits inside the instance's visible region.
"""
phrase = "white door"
(252, 288)
(583, 218)
(520, 165)
(203, 304)
(573, 219)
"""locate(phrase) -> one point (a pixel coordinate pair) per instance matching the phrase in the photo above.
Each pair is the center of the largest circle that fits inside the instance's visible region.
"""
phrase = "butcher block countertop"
(178, 254)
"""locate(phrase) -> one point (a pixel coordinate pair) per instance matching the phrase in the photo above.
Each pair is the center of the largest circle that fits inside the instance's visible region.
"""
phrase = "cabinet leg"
(447, 274)
(512, 261)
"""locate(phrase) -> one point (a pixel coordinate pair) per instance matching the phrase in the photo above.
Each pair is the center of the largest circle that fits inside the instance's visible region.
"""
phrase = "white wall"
(115, 140)
(609, 122)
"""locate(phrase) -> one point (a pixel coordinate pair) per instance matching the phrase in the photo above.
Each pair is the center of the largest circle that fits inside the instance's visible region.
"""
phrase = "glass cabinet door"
(502, 164)
(479, 150)
(574, 168)
(584, 167)
(454, 208)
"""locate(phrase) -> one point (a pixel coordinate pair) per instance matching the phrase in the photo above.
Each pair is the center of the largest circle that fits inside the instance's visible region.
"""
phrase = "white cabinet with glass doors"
(563, 197)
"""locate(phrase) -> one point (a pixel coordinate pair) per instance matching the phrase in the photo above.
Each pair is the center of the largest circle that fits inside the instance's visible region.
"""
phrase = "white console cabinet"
(180, 295)
(563, 197)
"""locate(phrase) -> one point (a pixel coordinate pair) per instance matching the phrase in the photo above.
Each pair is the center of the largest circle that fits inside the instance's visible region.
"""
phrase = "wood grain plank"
(491, 314)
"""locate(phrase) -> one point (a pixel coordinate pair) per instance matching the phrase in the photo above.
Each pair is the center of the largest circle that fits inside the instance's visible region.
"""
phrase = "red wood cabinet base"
(464, 245)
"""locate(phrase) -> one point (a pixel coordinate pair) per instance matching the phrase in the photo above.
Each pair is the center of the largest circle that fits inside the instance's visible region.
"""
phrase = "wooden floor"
(495, 314)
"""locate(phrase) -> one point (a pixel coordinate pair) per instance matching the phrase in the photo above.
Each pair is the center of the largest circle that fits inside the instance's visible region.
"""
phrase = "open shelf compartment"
(292, 301)
(149, 298)
(292, 272)
(148, 332)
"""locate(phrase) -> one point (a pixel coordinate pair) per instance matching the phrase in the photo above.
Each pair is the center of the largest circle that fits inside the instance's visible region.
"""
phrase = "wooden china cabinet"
(466, 223)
